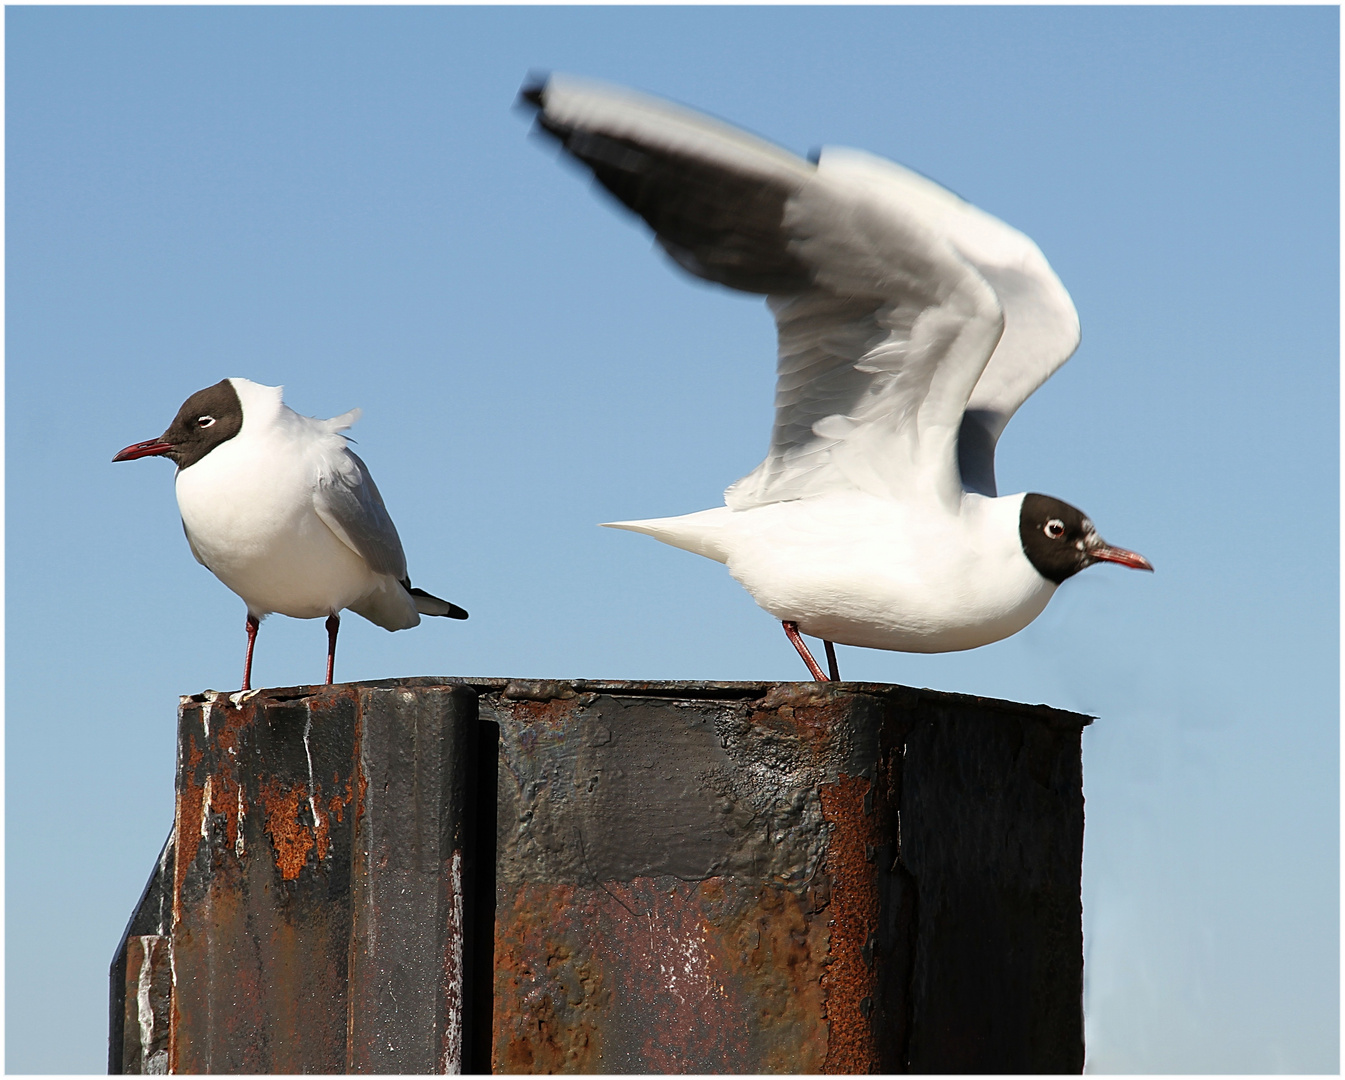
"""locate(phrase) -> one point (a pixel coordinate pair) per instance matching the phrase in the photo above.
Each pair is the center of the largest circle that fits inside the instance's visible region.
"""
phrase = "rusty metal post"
(678, 877)
(318, 885)
(785, 878)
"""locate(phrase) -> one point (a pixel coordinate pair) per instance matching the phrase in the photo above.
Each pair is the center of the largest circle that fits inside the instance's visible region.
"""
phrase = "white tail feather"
(701, 533)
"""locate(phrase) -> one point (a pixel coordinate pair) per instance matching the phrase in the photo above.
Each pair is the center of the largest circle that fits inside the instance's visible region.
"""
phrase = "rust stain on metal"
(336, 808)
(849, 981)
(336, 805)
(810, 709)
(671, 976)
(549, 995)
(594, 978)
(775, 950)
(537, 716)
(188, 825)
(210, 785)
(227, 725)
(291, 839)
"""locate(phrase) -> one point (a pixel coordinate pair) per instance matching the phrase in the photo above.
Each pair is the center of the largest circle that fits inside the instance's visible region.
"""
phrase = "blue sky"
(345, 202)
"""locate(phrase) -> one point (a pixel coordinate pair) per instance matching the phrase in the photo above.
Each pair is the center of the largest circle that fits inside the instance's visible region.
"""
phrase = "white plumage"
(911, 327)
(279, 508)
(288, 517)
(885, 574)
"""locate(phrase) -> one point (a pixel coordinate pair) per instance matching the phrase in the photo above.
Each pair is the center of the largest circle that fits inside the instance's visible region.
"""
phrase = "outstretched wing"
(348, 502)
(885, 323)
(1041, 326)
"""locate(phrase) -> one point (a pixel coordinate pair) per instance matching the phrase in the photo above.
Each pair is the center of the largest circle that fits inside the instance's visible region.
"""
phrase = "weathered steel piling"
(519, 876)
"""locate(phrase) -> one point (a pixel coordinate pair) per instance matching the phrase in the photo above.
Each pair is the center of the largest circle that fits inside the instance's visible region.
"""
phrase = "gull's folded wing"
(348, 502)
(885, 324)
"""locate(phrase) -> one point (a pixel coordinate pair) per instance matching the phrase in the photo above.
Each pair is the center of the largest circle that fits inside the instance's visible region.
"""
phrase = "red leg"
(333, 625)
(253, 623)
(833, 669)
(792, 632)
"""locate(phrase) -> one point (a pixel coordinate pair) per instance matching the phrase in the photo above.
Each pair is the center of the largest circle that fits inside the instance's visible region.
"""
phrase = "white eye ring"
(204, 421)
(1055, 528)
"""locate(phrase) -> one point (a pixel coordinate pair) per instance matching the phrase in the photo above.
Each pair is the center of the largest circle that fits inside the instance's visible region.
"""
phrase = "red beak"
(149, 448)
(1103, 553)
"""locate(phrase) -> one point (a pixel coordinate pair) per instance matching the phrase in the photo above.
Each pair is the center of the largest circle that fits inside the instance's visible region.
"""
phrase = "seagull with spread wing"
(911, 327)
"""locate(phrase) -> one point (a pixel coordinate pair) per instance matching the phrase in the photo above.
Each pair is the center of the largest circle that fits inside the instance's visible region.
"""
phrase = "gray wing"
(1040, 324)
(885, 287)
(348, 501)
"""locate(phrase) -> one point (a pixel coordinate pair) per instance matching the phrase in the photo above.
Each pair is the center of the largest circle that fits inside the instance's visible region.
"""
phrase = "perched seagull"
(279, 508)
(911, 328)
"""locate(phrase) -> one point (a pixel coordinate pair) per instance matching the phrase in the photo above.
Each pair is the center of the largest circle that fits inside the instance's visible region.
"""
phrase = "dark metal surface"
(801, 877)
(141, 978)
(708, 877)
(407, 952)
(317, 889)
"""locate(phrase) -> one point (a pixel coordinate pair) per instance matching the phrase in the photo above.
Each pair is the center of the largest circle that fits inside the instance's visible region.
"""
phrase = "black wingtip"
(531, 94)
(453, 612)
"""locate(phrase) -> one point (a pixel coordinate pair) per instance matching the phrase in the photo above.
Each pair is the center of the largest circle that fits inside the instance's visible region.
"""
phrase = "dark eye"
(204, 421)
(1055, 528)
